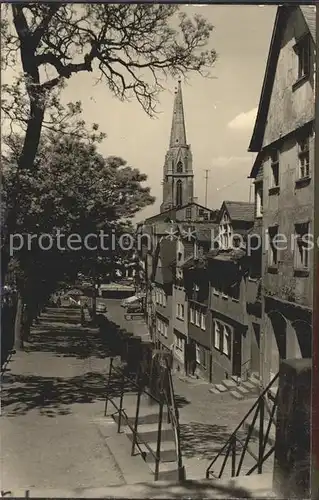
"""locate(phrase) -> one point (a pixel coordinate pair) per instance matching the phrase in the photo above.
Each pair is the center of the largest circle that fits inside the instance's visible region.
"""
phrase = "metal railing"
(235, 443)
(138, 382)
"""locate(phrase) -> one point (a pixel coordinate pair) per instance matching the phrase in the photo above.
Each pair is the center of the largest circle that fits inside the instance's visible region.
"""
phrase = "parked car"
(101, 308)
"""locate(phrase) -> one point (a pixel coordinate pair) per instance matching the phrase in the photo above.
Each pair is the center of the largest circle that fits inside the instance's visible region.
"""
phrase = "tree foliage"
(75, 191)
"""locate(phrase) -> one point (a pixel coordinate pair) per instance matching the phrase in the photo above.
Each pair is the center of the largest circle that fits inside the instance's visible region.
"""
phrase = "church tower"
(178, 180)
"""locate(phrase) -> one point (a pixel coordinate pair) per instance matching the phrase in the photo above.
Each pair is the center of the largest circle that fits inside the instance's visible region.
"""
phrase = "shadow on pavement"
(53, 395)
(197, 489)
(205, 440)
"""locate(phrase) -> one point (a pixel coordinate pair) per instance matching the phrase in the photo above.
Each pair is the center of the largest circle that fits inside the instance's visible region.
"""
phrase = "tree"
(72, 191)
(129, 46)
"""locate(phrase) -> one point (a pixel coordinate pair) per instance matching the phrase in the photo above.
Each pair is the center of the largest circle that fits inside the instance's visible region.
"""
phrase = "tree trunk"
(18, 340)
(28, 318)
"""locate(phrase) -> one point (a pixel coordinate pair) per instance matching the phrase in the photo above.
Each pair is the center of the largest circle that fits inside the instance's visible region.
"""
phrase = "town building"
(283, 138)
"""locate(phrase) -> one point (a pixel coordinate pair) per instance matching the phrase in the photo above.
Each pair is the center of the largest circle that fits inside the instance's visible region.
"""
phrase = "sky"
(219, 112)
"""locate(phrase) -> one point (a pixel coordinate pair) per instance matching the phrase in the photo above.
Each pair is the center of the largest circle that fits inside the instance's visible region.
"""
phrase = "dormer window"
(302, 49)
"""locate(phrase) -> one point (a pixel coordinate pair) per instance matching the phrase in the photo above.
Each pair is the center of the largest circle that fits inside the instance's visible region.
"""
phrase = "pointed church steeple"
(178, 186)
(178, 131)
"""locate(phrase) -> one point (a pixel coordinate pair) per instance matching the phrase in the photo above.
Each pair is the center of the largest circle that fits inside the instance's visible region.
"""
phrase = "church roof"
(178, 131)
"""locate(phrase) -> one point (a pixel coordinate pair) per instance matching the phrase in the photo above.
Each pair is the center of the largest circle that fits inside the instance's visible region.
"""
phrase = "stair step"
(167, 470)
(236, 394)
(249, 385)
(167, 456)
(254, 381)
(151, 418)
(242, 390)
(220, 387)
(236, 379)
(213, 390)
(151, 436)
(229, 383)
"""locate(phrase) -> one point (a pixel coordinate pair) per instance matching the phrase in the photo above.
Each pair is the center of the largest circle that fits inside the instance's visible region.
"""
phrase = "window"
(206, 216)
(259, 199)
(179, 343)
(275, 169)
(272, 250)
(197, 354)
(188, 213)
(217, 334)
(182, 311)
(164, 299)
(165, 330)
(201, 212)
(179, 168)
(301, 246)
(191, 313)
(177, 310)
(197, 318)
(203, 359)
(202, 321)
(226, 340)
(302, 49)
(303, 157)
(179, 193)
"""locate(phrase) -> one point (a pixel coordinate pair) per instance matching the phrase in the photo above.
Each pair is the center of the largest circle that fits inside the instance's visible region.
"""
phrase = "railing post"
(261, 434)
(159, 437)
(138, 402)
(233, 457)
(108, 386)
(121, 402)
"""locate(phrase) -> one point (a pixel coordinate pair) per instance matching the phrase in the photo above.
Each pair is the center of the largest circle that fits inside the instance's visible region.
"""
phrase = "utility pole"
(206, 185)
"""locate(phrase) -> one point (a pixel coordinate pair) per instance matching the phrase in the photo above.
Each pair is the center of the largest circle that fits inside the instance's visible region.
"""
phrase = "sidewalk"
(53, 433)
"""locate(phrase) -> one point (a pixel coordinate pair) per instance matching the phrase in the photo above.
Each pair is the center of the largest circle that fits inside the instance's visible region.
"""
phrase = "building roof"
(171, 212)
(309, 14)
(240, 210)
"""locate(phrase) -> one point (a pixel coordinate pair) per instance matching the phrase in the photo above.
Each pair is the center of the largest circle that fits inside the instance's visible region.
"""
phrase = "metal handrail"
(137, 438)
(138, 435)
(173, 412)
(231, 442)
(128, 379)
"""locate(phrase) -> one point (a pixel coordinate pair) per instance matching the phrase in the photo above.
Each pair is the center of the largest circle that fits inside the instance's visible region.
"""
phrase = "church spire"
(178, 132)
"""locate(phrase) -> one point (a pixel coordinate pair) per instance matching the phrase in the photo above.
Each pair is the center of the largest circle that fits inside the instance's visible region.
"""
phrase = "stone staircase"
(148, 434)
(237, 388)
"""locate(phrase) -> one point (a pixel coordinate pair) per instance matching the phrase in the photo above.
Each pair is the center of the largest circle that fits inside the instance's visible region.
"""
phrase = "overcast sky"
(219, 112)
